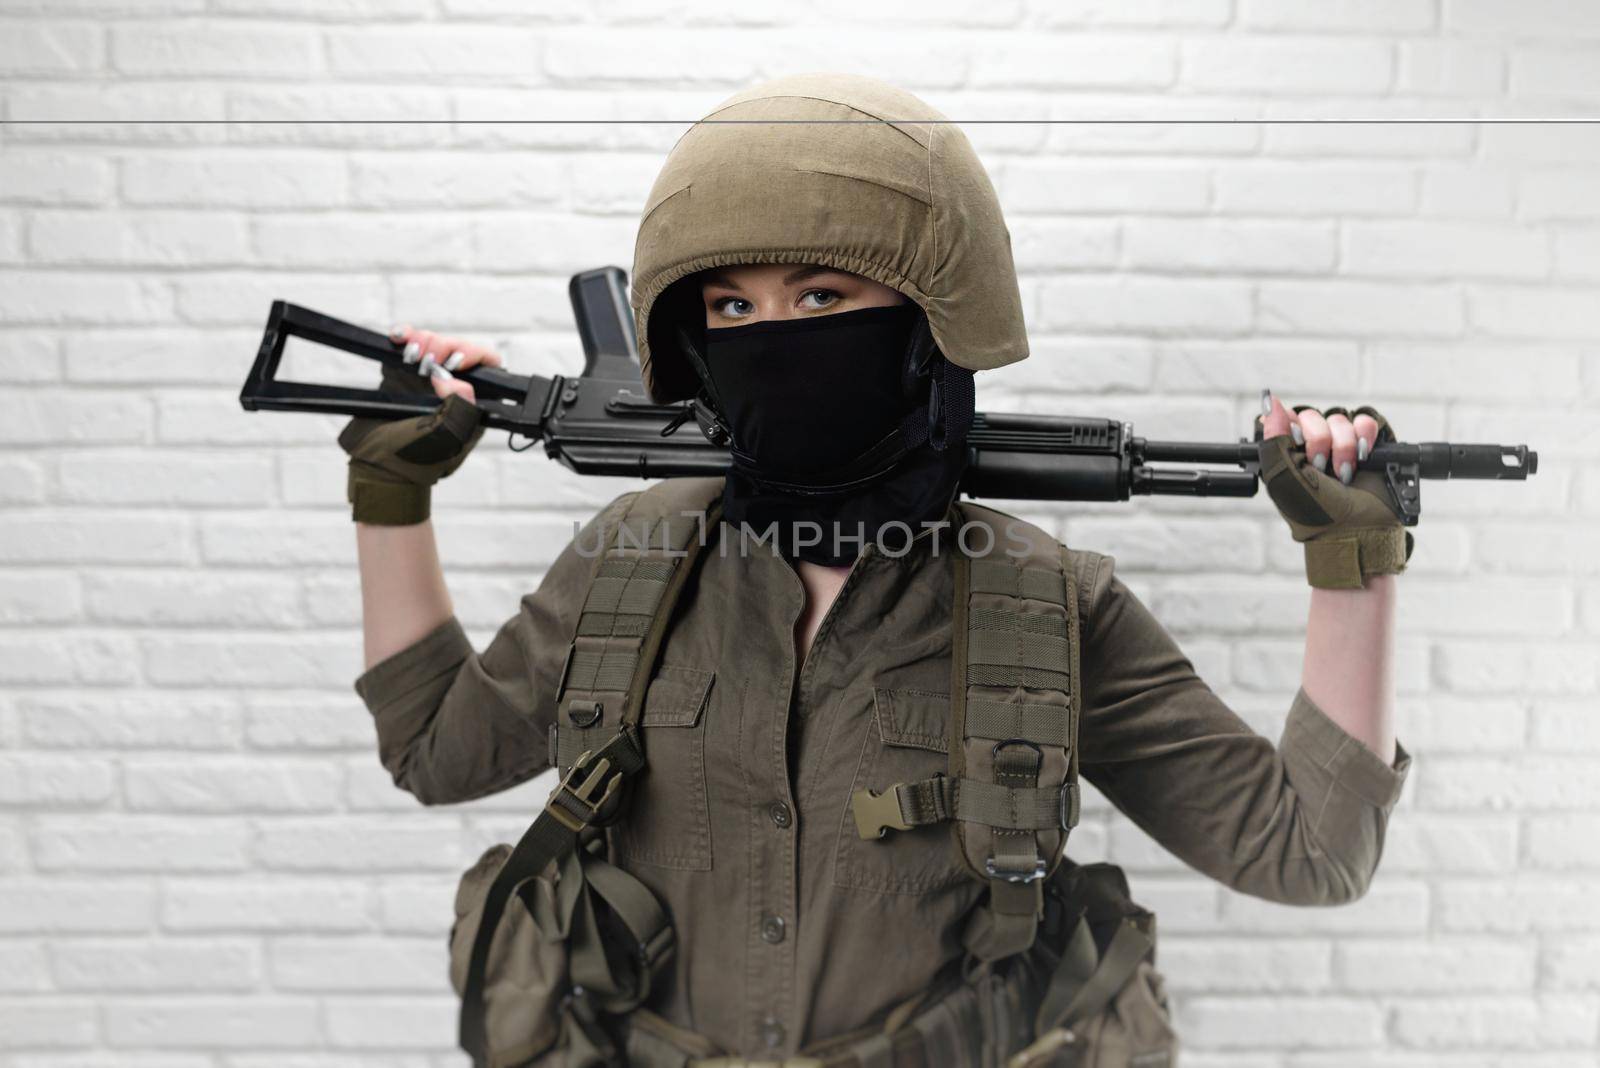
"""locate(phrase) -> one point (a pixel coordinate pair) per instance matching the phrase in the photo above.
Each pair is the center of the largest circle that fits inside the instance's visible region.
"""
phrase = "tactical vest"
(1010, 792)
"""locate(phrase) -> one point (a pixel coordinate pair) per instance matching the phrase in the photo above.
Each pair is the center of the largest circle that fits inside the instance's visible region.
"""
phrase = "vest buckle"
(1013, 875)
(576, 806)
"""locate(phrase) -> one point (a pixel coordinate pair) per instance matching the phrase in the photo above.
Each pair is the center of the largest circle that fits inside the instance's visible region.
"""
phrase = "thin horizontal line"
(802, 122)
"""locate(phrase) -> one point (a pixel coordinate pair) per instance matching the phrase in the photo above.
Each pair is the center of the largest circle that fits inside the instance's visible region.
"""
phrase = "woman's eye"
(830, 297)
(725, 306)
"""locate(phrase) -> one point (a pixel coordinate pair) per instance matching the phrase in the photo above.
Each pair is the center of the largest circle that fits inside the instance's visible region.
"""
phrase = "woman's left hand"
(1349, 528)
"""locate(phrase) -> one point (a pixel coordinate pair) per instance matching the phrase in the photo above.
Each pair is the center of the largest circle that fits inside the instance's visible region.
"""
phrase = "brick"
(1556, 195)
(1228, 247)
(1298, 1022)
(1150, 306)
(1566, 727)
(426, 52)
(242, 659)
(57, 298)
(1530, 18)
(159, 239)
(1442, 966)
(469, 305)
(66, 906)
(361, 965)
(47, 416)
(384, 843)
(1563, 145)
(178, 479)
(159, 965)
(1572, 963)
(1562, 71)
(1371, 17)
(530, 242)
(89, 658)
(1051, 62)
(31, 355)
(213, 50)
(1517, 905)
(1524, 784)
(1072, 188)
(1251, 966)
(168, 357)
(185, 598)
(307, 721)
(442, 180)
(1159, 13)
(218, 784)
(40, 596)
(1285, 66)
(115, 842)
(132, 720)
(1432, 844)
(1390, 905)
(1477, 372)
(1564, 842)
(24, 968)
(242, 299)
(1468, 724)
(1452, 68)
(1467, 666)
(200, 417)
(1324, 142)
(53, 781)
(245, 1022)
(1066, 244)
(1444, 250)
(50, 1023)
(262, 903)
(1577, 254)
(362, 241)
(1530, 1022)
(385, 10)
(50, 48)
(96, 114)
(50, 177)
(1360, 309)
(36, 537)
(1510, 606)
(383, 1023)
(417, 906)
(249, 179)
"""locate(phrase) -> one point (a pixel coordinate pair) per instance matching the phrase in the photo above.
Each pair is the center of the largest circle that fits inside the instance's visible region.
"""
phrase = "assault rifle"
(602, 423)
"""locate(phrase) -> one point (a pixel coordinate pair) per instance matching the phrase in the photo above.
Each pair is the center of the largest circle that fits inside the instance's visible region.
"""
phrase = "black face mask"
(835, 431)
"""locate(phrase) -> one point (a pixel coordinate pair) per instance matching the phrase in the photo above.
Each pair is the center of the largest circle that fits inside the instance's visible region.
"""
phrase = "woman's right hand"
(394, 463)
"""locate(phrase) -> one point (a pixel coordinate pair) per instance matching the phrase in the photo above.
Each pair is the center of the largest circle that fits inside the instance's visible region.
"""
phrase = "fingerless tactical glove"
(394, 463)
(1349, 532)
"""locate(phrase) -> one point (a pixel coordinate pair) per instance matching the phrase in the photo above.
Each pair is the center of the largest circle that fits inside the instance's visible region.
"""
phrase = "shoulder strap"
(646, 557)
(1012, 782)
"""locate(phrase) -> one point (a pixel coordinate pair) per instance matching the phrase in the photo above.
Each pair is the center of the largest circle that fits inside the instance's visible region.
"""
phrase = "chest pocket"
(668, 822)
(905, 741)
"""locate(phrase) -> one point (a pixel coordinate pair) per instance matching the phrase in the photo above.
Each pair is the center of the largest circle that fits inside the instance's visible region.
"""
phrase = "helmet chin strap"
(924, 423)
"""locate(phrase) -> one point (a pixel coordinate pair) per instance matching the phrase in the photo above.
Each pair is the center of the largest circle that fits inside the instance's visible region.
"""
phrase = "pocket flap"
(914, 719)
(676, 697)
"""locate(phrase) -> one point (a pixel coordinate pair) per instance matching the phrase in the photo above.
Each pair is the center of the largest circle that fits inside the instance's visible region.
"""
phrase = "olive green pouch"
(1103, 1005)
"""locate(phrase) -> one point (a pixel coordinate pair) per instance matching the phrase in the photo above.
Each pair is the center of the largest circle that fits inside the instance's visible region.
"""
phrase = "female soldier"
(825, 287)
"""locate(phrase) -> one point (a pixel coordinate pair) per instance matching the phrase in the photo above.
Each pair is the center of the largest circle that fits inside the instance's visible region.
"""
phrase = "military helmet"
(840, 170)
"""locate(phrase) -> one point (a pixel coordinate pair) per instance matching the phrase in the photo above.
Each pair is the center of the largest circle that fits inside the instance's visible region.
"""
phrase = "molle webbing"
(1012, 781)
(1014, 723)
(626, 611)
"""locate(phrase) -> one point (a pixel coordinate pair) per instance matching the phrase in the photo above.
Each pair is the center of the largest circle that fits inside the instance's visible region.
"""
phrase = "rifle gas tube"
(602, 423)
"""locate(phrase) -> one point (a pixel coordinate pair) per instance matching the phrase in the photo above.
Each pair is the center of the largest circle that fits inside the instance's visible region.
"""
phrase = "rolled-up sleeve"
(454, 724)
(1300, 823)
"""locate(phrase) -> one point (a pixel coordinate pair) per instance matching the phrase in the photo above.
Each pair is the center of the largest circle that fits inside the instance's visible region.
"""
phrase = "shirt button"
(780, 814)
(771, 1033)
(772, 928)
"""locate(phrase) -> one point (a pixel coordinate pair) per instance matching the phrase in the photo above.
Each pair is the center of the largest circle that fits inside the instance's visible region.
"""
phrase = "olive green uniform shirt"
(790, 927)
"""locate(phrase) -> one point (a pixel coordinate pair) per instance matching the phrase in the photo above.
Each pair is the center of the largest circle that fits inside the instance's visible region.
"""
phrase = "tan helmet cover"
(903, 201)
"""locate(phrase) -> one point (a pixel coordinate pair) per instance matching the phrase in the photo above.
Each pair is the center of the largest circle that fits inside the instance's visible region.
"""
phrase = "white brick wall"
(201, 863)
